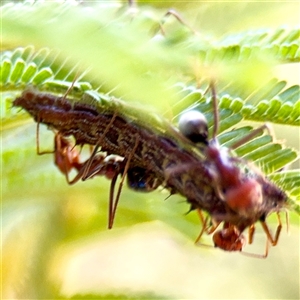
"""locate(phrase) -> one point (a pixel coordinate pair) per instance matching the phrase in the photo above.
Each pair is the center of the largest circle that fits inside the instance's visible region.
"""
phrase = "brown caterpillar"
(211, 178)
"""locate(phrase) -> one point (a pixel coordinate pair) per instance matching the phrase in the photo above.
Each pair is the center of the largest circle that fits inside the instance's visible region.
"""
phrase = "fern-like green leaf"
(55, 242)
(274, 103)
(282, 44)
(232, 110)
(289, 181)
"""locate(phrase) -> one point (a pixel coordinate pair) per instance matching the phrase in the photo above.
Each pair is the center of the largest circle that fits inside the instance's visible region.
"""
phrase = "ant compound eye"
(193, 125)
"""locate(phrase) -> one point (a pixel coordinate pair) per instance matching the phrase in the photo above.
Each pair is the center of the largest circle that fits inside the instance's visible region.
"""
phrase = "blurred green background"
(54, 237)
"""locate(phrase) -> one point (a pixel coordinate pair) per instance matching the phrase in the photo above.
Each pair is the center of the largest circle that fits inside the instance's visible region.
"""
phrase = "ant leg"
(90, 161)
(254, 255)
(203, 222)
(111, 201)
(38, 140)
(96, 168)
(266, 250)
(251, 135)
(272, 240)
(215, 109)
(251, 234)
(287, 220)
(116, 201)
(246, 138)
(60, 154)
(111, 169)
(207, 229)
(65, 157)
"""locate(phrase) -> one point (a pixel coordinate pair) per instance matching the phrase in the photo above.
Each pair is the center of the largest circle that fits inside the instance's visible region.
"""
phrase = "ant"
(67, 157)
(242, 195)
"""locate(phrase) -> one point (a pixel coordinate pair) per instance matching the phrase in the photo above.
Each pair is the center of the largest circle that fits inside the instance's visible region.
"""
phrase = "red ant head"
(229, 239)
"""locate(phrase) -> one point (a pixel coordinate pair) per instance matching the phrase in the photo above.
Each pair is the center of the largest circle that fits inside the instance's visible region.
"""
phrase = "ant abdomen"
(193, 125)
(141, 180)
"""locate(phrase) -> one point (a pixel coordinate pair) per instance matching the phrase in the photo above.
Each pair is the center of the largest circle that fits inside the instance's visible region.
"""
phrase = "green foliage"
(281, 43)
(159, 68)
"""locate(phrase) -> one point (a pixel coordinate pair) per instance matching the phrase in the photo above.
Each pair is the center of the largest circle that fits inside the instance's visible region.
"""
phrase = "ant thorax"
(234, 181)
